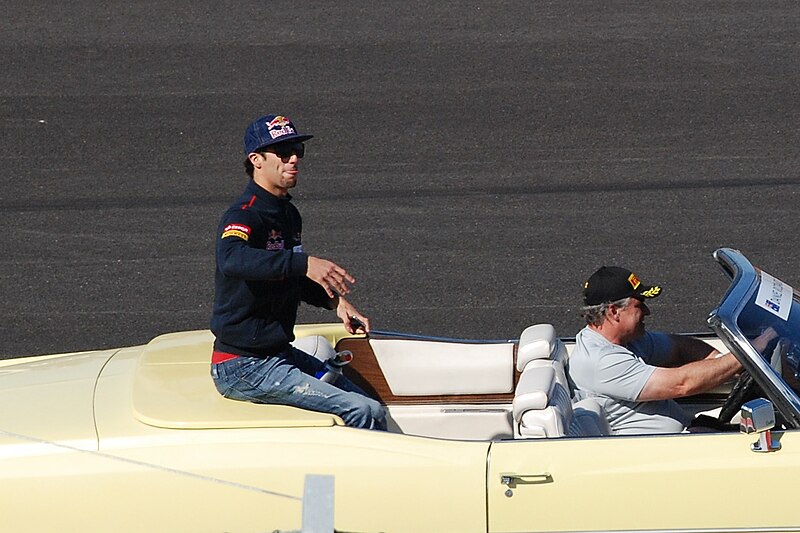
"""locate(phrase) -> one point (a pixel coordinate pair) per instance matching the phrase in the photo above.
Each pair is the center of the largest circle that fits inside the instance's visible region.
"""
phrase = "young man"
(262, 275)
(635, 374)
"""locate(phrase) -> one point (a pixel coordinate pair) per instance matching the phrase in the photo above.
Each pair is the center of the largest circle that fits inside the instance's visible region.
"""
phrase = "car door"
(680, 482)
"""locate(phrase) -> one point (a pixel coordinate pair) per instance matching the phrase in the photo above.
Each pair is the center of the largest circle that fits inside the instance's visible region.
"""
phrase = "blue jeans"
(288, 379)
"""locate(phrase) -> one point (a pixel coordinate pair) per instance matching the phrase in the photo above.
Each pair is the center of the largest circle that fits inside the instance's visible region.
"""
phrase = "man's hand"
(330, 276)
(760, 343)
(347, 313)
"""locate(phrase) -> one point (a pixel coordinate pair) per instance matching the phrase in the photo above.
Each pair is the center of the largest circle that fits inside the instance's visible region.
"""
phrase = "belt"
(221, 357)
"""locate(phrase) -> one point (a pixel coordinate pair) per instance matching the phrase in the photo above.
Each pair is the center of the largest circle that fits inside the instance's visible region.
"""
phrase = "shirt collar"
(263, 194)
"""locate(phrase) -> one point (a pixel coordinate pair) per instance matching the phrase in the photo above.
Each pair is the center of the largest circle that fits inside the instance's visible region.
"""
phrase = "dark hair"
(248, 166)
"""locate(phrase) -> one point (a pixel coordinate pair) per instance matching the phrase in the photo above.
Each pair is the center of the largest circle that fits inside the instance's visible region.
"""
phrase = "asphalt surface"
(472, 165)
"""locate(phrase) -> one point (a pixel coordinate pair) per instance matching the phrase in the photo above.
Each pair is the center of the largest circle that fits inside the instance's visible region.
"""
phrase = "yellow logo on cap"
(652, 292)
(634, 281)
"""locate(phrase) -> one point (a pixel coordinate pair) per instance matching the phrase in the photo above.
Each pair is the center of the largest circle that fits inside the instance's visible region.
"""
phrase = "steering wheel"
(746, 388)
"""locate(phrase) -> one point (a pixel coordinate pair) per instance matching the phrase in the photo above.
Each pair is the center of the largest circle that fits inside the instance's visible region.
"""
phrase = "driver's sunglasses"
(287, 150)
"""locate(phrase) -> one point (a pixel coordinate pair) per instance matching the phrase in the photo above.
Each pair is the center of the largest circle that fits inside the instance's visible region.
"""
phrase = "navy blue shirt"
(261, 275)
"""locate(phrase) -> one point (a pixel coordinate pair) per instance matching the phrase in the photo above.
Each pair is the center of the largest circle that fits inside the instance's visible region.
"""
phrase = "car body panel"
(684, 482)
(173, 389)
(191, 473)
(252, 480)
(50, 398)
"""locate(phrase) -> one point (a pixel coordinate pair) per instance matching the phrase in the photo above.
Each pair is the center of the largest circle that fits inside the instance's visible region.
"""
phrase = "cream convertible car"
(483, 437)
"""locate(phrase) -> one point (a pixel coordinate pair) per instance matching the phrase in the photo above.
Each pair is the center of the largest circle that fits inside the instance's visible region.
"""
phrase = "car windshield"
(757, 302)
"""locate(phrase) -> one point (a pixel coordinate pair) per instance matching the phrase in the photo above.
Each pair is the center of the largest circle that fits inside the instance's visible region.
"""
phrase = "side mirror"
(758, 416)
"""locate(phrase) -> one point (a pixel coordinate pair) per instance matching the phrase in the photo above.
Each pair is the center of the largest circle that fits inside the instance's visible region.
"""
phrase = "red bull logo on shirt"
(280, 126)
(275, 240)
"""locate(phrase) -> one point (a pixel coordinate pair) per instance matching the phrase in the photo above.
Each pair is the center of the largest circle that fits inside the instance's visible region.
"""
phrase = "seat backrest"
(542, 405)
(540, 342)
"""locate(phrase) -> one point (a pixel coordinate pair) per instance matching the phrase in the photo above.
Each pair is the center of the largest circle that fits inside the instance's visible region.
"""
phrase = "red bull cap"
(270, 129)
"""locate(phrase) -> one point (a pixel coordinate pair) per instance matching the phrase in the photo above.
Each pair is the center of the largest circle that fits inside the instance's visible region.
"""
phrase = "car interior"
(449, 389)
(479, 391)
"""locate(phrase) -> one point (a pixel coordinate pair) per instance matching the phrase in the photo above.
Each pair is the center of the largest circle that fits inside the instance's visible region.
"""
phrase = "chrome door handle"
(512, 480)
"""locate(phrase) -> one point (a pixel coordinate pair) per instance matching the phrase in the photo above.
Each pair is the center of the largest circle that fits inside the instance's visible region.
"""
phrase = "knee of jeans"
(379, 416)
(378, 411)
(367, 413)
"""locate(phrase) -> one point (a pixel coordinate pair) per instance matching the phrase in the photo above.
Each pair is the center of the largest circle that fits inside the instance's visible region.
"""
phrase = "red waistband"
(221, 357)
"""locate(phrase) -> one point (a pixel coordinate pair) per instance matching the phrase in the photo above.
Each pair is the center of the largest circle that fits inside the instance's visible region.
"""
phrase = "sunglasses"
(285, 151)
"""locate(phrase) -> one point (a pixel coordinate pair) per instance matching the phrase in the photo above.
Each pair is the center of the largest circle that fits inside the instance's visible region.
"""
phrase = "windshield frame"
(724, 320)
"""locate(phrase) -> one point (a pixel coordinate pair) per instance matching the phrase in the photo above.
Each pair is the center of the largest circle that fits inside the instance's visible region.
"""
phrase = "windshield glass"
(775, 305)
(759, 321)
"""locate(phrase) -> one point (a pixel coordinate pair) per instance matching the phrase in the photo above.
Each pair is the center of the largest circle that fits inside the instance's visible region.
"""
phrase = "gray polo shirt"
(615, 375)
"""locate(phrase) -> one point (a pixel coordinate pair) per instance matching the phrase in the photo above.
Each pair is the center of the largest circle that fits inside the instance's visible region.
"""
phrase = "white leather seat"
(539, 342)
(542, 405)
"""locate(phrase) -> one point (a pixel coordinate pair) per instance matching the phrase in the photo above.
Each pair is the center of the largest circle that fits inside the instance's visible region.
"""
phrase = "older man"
(635, 374)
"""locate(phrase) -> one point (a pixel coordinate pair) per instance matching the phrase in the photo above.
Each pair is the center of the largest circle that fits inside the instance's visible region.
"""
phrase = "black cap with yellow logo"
(610, 284)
